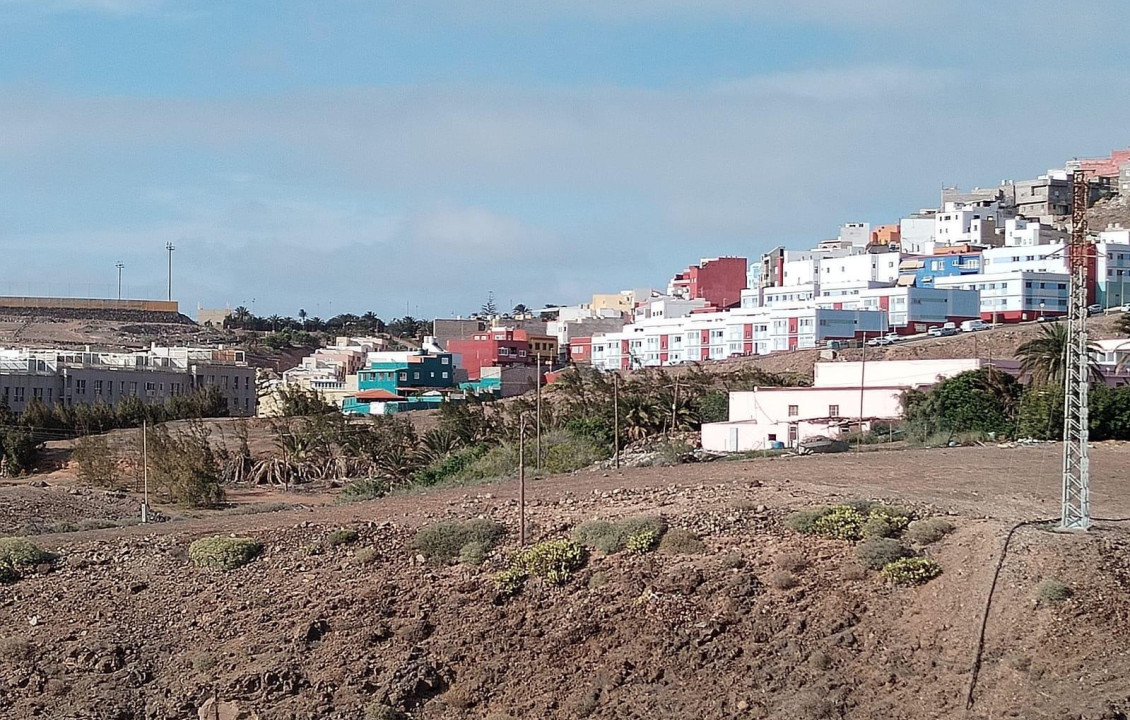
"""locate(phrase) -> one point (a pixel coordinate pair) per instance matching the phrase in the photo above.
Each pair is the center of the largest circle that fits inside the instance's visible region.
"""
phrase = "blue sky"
(353, 156)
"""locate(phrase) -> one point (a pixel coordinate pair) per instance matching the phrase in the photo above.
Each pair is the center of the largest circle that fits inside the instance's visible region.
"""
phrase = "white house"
(843, 396)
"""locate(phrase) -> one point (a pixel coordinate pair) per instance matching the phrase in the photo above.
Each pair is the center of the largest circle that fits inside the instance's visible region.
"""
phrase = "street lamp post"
(119, 265)
(170, 247)
(1041, 309)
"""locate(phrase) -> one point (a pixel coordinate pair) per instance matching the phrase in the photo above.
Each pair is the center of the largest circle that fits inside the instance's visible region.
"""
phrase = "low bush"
(203, 662)
(851, 521)
(102, 523)
(565, 452)
(782, 580)
(612, 536)
(473, 553)
(8, 574)
(804, 521)
(912, 571)
(15, 650)
(499, 462)
(930, 530)
(877, 553)
(380, 711)
(362, 490)
(598, 580)
(554, 561)
(677, 541)
(443, 542)
(224, 553)
(642, 542)
(19, 552)
(791, 562)
(1053, 591)
(366, 556)
(841, 523)
(732, 561)
(344, 536)
(853, 571)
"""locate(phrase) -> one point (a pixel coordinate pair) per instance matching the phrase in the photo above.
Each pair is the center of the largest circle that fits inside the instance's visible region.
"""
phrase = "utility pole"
(145, 471)
(862, 377)
(522, 480)
(170, 247)
(616, 418)
(537, 379)
(1076, 458)
(119, 265)
(675, 405)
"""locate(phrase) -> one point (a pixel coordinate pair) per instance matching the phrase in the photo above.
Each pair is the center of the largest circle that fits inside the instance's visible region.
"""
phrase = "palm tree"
(274, 320)
(1045, 357)
(302, 317)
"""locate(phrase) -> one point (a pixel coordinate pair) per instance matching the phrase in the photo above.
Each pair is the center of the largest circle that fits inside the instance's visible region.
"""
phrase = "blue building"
(394, 382)
(923, 270)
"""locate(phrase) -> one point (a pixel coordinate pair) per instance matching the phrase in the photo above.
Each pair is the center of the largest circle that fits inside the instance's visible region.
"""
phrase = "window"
(445, 361)
(415, 376)
(80, 387)
(19, 394)
(37, 394)
(833, 411)
(794, 410)
(445, 375)
(97, 388)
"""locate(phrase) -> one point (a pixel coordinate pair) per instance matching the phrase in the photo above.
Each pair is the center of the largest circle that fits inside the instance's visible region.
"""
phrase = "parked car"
(942, 330)
(974, 325)
(880, 340)
(893, 337)
(1095, 309)
(1123, 308)
(1048, 318)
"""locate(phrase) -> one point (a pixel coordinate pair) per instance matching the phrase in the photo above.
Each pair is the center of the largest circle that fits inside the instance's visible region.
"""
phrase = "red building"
(580, 350)
(493, 348)
(719, 281)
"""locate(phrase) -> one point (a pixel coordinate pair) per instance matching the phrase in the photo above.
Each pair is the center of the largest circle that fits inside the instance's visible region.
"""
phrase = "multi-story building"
(154, 375)
(714, 336)
(394, 382)
(499, 347)
(1014, 295)
(719, 281)
(923, 270)
(912, 310)
(1019, 232)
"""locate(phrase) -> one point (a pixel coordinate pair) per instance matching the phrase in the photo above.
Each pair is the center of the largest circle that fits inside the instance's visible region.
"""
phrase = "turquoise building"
(394, 382)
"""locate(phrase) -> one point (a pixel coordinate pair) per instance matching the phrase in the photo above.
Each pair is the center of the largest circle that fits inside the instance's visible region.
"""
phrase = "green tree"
(1044, 357)
(984, 400)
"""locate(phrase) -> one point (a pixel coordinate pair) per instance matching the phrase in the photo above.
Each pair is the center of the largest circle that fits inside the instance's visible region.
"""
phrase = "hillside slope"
(125, 627)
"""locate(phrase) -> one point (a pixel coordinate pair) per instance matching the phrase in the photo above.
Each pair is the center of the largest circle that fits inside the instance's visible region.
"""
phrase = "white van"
(974, 325)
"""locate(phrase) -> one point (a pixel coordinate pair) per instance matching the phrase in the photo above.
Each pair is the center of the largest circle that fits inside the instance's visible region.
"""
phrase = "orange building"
(886, 235)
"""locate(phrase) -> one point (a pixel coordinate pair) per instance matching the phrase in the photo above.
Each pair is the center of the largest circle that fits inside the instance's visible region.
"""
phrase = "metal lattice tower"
(1076, 462)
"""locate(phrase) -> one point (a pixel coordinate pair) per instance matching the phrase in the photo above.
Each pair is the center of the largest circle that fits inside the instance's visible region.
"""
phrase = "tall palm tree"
(1045, 357)
(302, 317)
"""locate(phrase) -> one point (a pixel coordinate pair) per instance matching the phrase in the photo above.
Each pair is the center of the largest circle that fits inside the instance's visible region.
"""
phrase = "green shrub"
(732, 561)
(18, 552)
(448, 467)
(912, 571)
(100, 524)
(224, 553)
(362, 490)
(511, 580)
(203, 662)
(500, 461)
(930, 530)
(804, 521)
(473, 553)
(841, 523)
(877, 553)
(366, 556)
(344, 536)
(598, 580)
(8, 574)
(677, 541)
(850, 521)
(642, 542)
(879, 525)
(610, 537)
(565, 452)
(442, 542)
(553, 560)
(1053, 591)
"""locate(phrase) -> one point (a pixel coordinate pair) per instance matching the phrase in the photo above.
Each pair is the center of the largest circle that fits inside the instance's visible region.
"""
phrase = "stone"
(214, 709)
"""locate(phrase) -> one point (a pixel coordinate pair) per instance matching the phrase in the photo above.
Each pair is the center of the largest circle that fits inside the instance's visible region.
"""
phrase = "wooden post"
(145, 470)
(616, 418)
(537, 379)
(522, 481)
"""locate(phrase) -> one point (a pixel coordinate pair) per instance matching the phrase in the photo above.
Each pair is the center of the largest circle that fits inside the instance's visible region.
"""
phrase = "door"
(792, 436)
(732, 445)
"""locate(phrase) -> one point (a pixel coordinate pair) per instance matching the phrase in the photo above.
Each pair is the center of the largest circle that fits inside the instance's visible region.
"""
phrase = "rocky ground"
(125, 627)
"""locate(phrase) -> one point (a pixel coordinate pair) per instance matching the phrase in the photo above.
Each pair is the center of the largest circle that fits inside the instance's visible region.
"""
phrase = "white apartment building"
(1020, 232)
(669, 307)
(1016, 295)
(912, 310)
(858, 234)
(917, 232)
(712, 336)
(967, 224)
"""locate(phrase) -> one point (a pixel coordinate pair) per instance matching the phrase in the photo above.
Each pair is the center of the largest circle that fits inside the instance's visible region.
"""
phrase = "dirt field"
(125, 627)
